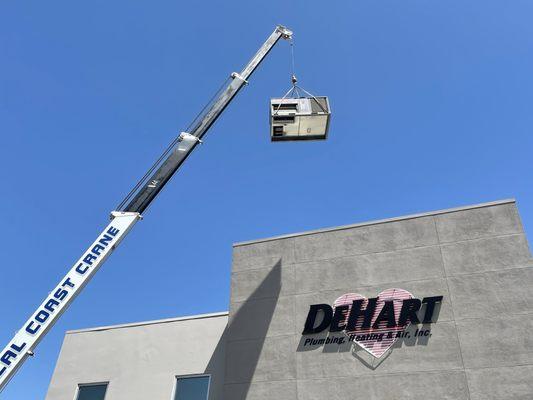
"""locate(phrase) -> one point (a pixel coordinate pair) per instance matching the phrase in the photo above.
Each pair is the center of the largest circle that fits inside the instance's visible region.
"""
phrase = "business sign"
(375, 323)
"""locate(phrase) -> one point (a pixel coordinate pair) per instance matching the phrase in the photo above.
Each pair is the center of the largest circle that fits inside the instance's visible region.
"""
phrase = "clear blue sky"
(431, 107)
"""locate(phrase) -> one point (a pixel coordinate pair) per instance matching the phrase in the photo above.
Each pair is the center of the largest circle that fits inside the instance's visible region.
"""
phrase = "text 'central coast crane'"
(124, 218)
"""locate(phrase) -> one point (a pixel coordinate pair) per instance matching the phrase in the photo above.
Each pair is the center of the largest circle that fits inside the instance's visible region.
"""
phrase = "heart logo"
(375, 340)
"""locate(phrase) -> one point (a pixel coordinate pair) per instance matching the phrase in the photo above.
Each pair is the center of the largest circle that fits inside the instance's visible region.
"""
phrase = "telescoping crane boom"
(124, 218)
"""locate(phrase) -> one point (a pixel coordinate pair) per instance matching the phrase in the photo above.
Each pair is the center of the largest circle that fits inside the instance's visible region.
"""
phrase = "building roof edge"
(153, 322)
(376, 222)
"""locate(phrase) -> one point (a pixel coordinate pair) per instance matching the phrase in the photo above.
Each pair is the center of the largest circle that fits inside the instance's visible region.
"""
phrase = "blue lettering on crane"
(43, 314)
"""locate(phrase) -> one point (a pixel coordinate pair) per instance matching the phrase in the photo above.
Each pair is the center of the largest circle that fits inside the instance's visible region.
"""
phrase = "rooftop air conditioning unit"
(304, 118)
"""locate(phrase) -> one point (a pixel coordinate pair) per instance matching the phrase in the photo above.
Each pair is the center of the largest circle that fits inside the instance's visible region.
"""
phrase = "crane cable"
(295, 89)
(294, 80)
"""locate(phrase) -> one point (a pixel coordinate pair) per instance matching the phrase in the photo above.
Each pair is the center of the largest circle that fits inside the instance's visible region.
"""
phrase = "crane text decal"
(375, 324)
(53, 304)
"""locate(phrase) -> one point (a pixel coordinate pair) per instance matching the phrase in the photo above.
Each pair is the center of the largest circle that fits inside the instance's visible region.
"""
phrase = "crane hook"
(294, 80)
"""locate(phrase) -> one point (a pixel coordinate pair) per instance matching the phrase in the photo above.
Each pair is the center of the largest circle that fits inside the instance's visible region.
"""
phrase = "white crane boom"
(128, 213)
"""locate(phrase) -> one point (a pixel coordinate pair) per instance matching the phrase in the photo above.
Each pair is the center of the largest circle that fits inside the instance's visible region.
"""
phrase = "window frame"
(178, 377)
(77, 393)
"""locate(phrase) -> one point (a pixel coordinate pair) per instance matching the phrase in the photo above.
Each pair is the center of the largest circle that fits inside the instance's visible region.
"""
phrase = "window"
(284, 118)
(278, 130)
(285, 106)
(192, 388)
(92, 391)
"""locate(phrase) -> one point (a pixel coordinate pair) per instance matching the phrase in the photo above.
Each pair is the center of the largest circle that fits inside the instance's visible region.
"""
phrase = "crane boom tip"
(286, 33)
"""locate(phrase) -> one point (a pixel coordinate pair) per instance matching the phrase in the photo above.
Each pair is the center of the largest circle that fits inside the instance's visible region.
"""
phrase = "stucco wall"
(141, 361)
(480, 347)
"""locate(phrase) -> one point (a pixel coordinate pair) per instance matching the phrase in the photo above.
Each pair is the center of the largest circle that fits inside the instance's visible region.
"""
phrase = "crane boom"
(123, 219)
(152, 184)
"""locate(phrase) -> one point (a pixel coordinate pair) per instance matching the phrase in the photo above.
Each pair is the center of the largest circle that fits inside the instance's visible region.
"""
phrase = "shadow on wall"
(243, 339)
(410, 340)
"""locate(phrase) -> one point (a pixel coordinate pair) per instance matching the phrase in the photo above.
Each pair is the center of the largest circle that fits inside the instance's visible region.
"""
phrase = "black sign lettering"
(357, 312)
(311, 318)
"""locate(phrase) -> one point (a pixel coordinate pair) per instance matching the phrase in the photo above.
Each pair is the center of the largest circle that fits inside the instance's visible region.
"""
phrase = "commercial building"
(428, 306)
(141, 360)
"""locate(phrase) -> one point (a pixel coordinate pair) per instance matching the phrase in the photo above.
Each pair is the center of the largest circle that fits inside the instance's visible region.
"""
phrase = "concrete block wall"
(481, 347)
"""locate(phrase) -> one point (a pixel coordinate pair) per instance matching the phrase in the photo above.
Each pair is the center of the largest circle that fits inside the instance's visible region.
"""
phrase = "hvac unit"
(304, 118)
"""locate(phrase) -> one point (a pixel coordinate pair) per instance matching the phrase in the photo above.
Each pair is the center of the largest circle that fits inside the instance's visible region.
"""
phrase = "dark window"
(192, 388)
(284, 118)
(92, 392)
(285, 106)
(278, 131)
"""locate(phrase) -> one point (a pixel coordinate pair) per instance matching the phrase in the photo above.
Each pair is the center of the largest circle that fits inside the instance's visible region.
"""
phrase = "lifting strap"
(295, 88)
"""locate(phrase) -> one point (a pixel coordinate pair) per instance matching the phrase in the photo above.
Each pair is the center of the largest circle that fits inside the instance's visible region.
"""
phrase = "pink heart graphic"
(378, 340)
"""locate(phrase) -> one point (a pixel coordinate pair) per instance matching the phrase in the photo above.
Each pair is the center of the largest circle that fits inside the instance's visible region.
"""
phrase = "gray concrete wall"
(481, 346)
(141, 361)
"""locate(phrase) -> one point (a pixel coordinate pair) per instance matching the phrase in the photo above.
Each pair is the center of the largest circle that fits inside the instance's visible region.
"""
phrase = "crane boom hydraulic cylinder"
(187, 141)
(122, 221)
